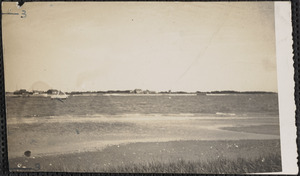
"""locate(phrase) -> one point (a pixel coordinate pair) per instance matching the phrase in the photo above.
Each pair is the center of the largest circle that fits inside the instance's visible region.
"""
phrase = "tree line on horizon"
(137, 91)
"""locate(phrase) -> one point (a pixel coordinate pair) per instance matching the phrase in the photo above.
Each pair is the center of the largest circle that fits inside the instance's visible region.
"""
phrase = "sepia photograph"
(142, 87)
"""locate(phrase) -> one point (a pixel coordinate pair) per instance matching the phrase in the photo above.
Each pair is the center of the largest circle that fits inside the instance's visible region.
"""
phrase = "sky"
(160, 46)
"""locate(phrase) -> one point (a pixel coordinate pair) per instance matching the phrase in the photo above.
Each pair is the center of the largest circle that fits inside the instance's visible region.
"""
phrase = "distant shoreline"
(136, 92)
(132, 94)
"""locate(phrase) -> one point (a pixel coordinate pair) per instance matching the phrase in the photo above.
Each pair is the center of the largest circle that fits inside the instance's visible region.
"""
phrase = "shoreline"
(127, 117)
(9, 94)
(136, 116)
(46, 136)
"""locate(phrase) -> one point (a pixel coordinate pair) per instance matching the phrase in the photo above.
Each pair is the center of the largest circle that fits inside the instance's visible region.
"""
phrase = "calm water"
(242, 105)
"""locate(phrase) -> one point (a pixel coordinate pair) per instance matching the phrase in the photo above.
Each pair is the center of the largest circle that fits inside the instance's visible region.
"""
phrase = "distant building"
(37, 91)
(138, 91)
(149, 92)
(52, 91)
(21, 92)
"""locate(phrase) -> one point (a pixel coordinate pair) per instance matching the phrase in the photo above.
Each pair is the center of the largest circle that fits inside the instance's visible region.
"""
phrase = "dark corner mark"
(20, 3)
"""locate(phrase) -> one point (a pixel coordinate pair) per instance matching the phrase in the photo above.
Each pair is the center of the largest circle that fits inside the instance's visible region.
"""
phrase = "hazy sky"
(160, 46)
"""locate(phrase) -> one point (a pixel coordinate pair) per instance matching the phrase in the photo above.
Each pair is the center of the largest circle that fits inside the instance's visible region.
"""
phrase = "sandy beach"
(144, 134)
(57, 135)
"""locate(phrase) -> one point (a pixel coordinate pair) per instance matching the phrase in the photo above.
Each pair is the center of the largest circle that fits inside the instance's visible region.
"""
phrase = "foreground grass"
(233, 156)
(271, 163)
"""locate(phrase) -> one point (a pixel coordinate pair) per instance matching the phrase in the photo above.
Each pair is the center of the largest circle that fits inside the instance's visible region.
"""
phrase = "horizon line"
(122, 90)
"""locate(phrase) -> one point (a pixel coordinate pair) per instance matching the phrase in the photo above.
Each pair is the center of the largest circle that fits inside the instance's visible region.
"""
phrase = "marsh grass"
(270, 163)
(230, 157)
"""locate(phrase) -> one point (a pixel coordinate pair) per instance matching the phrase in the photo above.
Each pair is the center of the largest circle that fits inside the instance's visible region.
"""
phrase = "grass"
(270, 163)
(235, 156)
